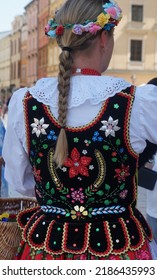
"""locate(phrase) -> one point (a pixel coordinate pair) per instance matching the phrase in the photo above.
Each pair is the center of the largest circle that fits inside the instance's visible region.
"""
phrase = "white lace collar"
(82, 88)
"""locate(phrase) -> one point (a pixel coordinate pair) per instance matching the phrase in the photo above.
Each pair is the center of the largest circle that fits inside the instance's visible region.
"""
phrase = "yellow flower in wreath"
(103, 19)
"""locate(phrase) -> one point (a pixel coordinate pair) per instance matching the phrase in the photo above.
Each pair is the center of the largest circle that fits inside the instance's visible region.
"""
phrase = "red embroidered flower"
(40, 154)
(77, 164)
(122, 173)
(37, 174)
(59, 30)
(114, 154)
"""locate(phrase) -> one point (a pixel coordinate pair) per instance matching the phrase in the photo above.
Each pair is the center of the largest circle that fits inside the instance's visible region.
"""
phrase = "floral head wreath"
(108, 18)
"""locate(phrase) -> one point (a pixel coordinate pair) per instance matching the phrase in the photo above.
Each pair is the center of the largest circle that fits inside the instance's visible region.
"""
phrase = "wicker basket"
(10, 234)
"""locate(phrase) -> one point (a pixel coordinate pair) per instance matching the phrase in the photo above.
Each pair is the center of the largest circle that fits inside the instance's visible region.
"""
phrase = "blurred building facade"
(135, 53)
(5, 64)
(32, 41)
(33, 55)
(16, 51)
(43, 16)
(24, 58)
(53, 50)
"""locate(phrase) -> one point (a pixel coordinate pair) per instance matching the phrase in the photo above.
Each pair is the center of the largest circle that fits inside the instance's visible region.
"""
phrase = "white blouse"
(151, 208)
(87, 93)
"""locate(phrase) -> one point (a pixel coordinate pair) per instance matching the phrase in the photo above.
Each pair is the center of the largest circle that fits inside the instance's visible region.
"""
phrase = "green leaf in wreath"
(33, 142)
(115, 200)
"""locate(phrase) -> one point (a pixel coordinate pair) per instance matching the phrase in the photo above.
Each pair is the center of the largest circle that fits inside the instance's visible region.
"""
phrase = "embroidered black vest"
(90, 202)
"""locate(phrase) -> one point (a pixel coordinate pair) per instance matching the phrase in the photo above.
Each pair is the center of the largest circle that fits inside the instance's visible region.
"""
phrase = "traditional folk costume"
(87, 208)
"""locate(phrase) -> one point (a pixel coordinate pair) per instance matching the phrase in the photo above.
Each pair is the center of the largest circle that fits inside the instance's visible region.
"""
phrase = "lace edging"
(83, 88)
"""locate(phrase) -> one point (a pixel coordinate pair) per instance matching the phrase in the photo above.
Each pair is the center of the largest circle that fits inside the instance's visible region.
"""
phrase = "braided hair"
(72, 11)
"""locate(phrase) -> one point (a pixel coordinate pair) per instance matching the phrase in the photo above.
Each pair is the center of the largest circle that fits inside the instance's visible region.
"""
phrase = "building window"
(137, 13)
(136, 50)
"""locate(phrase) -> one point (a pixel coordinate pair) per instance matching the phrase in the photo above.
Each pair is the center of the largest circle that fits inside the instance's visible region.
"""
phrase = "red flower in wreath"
(77, 164)
(59, 30)
(122, 173)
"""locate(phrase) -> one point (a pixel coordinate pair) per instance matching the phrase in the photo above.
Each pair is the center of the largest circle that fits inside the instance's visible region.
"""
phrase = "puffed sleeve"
(148, 109)
(18, 171)
(143, 124)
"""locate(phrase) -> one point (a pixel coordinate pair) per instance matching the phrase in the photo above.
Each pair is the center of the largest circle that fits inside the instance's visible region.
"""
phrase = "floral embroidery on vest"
(92, 197)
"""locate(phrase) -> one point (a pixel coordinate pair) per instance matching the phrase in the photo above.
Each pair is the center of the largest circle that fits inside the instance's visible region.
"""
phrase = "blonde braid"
(71, 12)
(61, 151)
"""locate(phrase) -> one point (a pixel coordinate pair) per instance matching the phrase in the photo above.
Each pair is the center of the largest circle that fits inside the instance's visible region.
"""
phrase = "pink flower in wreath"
(77, 164)
(47, 28)
(112, 12)
(94, 28)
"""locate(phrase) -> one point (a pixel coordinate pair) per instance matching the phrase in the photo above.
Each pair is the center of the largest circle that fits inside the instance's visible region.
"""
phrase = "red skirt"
(25, 252)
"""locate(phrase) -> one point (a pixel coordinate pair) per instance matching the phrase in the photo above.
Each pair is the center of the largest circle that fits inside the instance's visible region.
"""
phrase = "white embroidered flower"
(91, 167)
(84, 152)
(64, 169)
(110, 126)
(39, 127)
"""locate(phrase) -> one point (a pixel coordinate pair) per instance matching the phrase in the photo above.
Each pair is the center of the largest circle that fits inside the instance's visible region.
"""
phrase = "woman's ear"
(103, 38)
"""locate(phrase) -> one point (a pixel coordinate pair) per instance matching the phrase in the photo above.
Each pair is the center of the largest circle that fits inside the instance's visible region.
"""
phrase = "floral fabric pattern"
(77, 164)
(89, 203)
(110, 127)
(39, 127)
